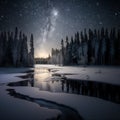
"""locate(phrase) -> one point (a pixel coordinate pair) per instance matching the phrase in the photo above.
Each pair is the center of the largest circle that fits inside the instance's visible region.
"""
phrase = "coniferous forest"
(16, 50)
(92, 47)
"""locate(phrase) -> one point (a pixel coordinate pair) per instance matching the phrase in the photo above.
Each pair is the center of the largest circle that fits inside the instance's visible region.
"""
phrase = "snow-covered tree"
(100, 47)
(15, 47)
(14, 50)
(31, 54)
(63, 52)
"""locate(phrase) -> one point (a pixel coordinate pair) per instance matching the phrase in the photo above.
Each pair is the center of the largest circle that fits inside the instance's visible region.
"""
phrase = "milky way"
(47, 30)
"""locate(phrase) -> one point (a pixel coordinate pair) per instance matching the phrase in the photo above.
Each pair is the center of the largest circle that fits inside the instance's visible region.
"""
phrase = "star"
(21, 15)
(2, 16)
(68, 9)
(97, 3)
(100, 23)
(116, 14)
(55, 12)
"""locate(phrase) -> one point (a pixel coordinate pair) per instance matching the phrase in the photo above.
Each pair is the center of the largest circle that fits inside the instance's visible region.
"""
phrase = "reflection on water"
(23, 83)
(44, 81)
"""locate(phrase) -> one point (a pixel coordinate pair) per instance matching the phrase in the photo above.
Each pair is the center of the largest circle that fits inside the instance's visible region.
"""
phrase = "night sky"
(52, 20)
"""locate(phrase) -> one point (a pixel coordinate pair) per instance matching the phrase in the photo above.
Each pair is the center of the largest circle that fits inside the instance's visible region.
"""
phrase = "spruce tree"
(68, 52)
(62, 49)
(90, 46)
(1, 48)
(31, 50)
(15, 47)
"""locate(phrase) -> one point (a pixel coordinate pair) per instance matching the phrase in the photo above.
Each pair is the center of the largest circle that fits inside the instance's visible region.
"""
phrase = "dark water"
(44, 80)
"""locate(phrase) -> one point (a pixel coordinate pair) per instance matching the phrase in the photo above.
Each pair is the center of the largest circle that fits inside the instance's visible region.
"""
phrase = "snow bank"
(16, 109)
(7, 78)
(101, 74)
(93, 73)
(5, 70)
(88, 107)
(10, 74)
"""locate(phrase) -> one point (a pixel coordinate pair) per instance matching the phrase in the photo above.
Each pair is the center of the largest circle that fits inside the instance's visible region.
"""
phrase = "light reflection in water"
(41, 74)
(43, 79)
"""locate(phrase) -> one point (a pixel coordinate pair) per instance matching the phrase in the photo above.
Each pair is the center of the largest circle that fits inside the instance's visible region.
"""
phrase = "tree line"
(15, 49)
(96, 47)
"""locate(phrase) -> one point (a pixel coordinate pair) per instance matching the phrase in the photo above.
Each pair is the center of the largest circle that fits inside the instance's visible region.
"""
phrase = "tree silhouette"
(14, 49)
(97, 47)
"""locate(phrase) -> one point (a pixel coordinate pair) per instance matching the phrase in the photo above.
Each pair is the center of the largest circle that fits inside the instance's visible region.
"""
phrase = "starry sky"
(52, 20)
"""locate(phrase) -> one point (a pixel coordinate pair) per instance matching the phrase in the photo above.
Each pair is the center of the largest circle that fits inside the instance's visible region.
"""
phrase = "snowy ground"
(15, 109)
(88, 107)
(92, 73)
(13, 70)
(10, 74)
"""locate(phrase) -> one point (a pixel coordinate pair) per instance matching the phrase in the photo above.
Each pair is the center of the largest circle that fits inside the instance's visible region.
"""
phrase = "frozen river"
(55, 88)
(45, 80)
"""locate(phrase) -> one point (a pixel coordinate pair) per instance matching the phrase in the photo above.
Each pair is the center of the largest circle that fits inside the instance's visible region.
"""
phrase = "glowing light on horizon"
(41, 54)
